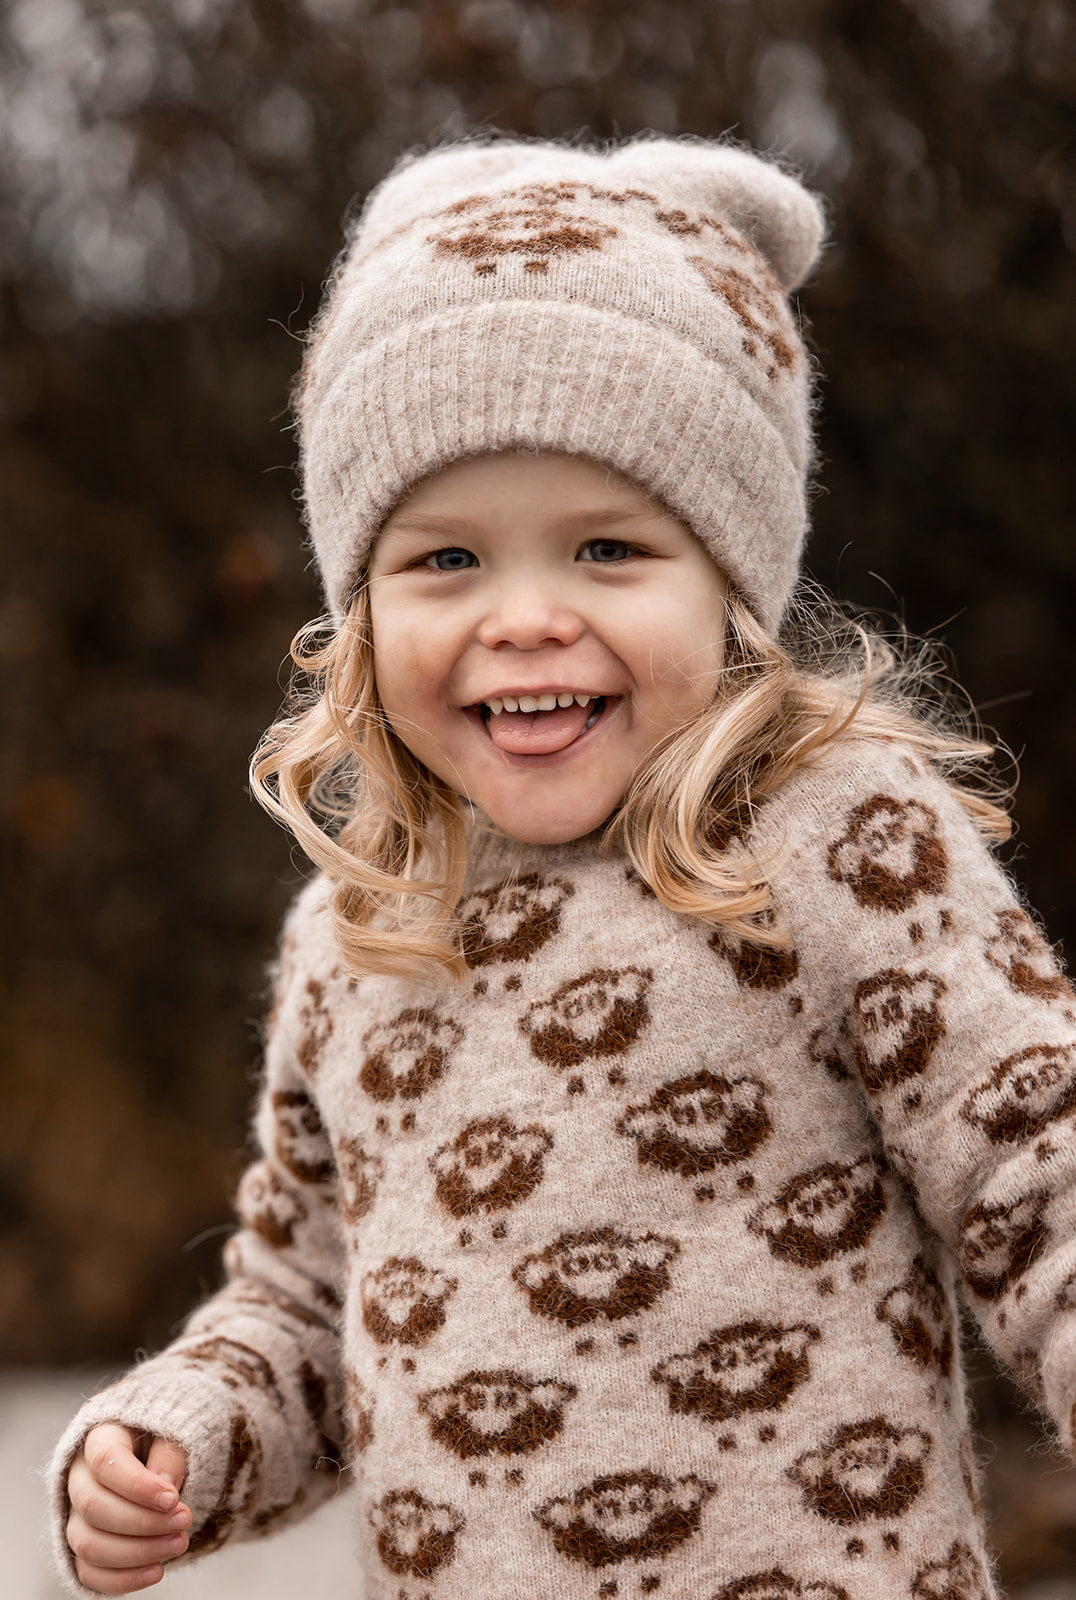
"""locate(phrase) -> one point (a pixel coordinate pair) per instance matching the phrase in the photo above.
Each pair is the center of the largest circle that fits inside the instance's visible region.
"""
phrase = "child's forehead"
(543, 481)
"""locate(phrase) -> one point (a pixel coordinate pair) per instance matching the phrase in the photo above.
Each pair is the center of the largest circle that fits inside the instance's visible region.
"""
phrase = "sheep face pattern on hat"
(629, 305)
(534, 223)
(622, 1271)
(537, 224)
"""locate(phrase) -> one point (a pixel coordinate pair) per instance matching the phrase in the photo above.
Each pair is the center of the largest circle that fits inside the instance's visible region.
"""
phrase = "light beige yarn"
(627, 1267)
(627, 305)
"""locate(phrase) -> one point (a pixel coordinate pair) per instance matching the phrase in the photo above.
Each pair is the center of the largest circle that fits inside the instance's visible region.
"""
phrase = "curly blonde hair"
(391, 836)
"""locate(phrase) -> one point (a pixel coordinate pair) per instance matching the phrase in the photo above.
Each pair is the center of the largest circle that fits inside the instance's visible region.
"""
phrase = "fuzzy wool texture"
(628, 305)
(630, 1265)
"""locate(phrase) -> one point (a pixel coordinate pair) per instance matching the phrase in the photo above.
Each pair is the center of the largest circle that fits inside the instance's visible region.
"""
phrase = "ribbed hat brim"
(556, 376)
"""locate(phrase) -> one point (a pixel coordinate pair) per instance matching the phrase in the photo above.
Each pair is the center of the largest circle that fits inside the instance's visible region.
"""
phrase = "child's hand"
(126, 1518)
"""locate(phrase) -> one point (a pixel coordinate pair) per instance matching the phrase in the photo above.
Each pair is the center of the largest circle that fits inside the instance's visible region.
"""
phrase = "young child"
(660, 1042)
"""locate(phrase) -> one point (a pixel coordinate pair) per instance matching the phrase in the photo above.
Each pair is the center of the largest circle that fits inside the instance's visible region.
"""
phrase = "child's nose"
(528, 614)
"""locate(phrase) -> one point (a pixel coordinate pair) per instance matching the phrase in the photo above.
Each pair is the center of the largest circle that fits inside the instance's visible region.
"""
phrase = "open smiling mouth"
(539, 725)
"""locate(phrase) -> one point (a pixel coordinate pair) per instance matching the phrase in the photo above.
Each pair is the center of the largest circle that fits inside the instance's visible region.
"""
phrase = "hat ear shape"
(782, 220)
(776, 212)
(492, 287)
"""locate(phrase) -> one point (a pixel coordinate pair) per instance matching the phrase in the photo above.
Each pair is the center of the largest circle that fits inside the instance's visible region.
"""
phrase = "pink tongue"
(538, 733)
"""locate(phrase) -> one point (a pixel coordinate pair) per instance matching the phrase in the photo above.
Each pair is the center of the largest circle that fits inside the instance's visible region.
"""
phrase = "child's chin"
(553, 829)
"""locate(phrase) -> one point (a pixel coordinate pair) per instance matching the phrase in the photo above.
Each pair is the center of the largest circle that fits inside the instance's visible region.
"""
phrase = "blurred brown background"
(172, 179)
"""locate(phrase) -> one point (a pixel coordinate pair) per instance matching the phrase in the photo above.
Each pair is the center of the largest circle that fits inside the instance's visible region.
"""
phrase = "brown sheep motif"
(315, 1027)
(299, 1140)
(777, 1585)
(755, 966)
(405, 1057)
(830, 1047)
(501, 1412)
(1025, 1093)
(896, 1026)
(626, 1516)
(890, 854)
(919, 1318)
(360, 1174)
(512, 919)
(403, 1302)
(698, 1122)
(318, 1394)
(743, 280)
(864, 1469)
(278, 1307)
(269, 1206)
(237, 1365)
(415, 1537)
(597, 1272)
(490, 1166)
(998, 1242)
(537, 222)
(1065, 1299)
(600, 1013)
(239, 1491)
(823, 1213)
(961, 1576)
(751, 1366)
(1019, 951)
(358, 1414)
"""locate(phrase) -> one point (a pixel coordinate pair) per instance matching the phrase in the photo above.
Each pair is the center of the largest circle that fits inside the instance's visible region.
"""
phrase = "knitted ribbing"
(628, 1266)
(627, 306)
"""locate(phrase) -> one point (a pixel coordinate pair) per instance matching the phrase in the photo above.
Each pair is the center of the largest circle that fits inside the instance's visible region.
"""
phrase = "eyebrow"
(425, 522)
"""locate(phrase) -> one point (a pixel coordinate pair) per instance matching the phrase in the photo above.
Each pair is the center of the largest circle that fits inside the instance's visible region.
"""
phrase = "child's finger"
(167, 1460)
(110, 1456)
(104, 1580)
(116, 1553)
(101, 1508)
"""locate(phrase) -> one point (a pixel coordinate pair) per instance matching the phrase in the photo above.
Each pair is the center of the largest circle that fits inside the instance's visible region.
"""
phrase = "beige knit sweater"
(628, 1267)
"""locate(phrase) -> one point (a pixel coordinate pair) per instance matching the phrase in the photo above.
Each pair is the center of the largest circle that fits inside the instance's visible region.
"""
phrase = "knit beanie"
(627, 304)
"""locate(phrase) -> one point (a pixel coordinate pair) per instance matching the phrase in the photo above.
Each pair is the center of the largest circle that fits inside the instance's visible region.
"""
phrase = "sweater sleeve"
(938, 992)
(252, 1388)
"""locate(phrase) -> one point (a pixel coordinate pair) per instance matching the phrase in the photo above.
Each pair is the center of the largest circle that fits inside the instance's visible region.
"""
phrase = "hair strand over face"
(391, 836)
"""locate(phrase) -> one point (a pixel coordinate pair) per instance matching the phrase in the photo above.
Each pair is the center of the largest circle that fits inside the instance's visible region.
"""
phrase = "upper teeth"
(539, 702)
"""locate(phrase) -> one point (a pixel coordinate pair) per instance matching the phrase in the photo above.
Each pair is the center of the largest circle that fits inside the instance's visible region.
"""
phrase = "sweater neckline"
(490, 851)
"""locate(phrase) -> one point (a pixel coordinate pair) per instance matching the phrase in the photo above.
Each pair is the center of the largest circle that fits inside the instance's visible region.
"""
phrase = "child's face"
(507, 576)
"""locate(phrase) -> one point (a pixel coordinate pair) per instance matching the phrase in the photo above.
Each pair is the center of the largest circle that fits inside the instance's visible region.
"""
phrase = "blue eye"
(606, 550)
(451, 560)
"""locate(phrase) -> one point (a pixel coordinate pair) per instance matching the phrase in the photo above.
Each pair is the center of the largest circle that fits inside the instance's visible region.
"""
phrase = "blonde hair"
(391, 837)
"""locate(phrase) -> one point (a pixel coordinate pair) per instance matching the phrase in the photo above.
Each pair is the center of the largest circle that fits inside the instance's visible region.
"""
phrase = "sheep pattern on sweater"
(629, 1266)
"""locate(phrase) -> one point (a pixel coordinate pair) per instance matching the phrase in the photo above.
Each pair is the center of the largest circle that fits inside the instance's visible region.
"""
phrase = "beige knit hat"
(626, 305)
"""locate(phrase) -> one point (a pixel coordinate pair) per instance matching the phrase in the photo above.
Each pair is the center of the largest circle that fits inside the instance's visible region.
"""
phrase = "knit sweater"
(629, 1266)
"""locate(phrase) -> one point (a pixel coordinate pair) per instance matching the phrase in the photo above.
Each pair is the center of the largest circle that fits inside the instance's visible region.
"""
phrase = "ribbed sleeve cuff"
(152, 1400)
